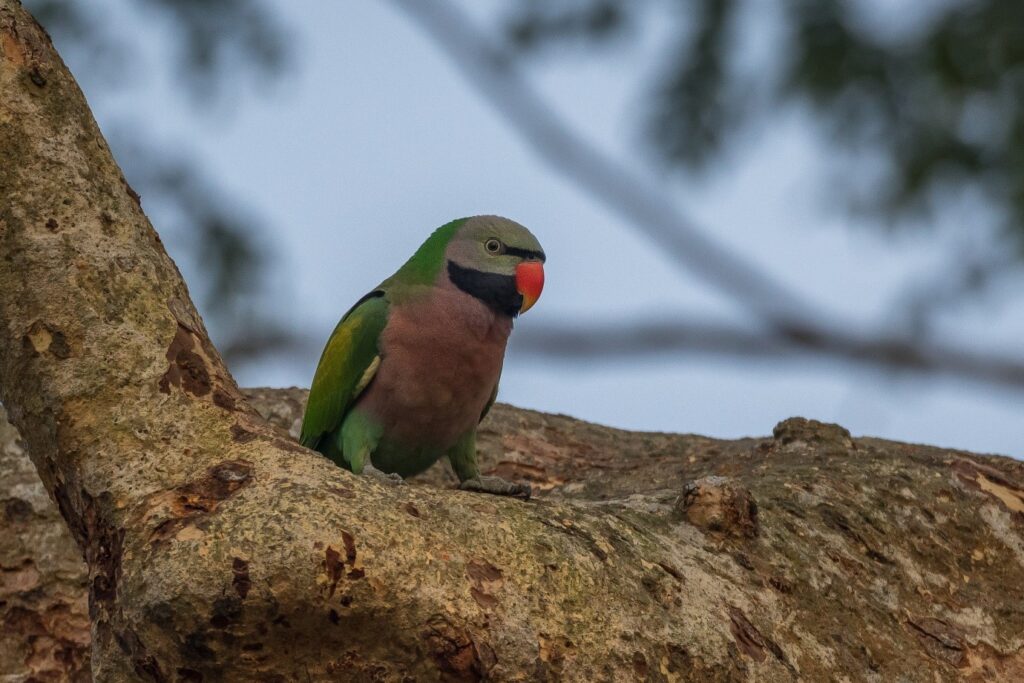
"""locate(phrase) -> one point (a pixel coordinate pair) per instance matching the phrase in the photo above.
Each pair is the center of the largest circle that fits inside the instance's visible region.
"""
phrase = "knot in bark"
(800, 431)
(720, 506)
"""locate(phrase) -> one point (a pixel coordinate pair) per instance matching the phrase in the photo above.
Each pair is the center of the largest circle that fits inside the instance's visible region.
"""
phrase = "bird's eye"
(493, 246)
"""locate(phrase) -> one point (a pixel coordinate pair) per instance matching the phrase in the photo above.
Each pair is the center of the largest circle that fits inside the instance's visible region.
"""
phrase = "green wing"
(346, 367)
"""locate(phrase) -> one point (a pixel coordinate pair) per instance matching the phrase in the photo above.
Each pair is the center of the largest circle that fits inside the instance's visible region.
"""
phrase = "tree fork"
(217, 548)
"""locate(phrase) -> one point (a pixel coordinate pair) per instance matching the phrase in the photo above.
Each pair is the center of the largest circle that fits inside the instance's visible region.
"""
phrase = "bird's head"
(497, 261)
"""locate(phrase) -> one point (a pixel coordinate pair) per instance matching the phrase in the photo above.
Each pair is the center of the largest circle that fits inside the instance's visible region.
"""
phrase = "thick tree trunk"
(217, 549)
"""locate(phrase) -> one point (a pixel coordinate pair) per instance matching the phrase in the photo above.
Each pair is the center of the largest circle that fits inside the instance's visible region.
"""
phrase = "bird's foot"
(497, 486)
(390, 479)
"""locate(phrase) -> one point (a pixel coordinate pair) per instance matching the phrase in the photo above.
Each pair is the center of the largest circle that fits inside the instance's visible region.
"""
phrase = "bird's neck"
(467, 311)
(496, 291)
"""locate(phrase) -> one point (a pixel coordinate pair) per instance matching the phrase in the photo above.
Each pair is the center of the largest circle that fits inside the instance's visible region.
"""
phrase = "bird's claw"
(387, 478)
(497, 486)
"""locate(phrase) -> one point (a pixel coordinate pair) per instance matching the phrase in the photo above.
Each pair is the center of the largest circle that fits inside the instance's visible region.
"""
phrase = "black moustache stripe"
(497, 291)
(526, 254)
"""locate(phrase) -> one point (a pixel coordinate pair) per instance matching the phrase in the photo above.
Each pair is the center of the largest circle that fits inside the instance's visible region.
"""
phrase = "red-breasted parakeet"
(413, 367)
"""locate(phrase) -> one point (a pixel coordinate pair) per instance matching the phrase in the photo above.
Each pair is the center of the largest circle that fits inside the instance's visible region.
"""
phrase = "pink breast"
(441, 359)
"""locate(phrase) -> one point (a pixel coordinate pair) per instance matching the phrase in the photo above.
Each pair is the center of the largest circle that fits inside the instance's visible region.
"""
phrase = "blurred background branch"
(696, 335)
(490, 65)
(690, 120)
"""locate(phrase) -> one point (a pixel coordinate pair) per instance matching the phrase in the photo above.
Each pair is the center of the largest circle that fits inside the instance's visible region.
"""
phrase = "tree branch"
(44, 613)
(588, 341)
(812, 561)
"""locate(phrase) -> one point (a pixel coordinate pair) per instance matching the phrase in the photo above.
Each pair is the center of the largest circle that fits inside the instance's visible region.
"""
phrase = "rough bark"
(44, 620)
(216, 548)
(808, 554)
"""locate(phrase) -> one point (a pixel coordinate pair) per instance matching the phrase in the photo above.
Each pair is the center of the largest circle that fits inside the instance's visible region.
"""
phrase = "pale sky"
(374, 140)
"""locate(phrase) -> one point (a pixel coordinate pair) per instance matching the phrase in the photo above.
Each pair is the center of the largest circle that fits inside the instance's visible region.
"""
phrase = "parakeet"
(413, 366)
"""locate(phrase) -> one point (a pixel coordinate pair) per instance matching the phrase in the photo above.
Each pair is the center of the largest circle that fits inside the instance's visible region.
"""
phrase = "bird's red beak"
(529, 283)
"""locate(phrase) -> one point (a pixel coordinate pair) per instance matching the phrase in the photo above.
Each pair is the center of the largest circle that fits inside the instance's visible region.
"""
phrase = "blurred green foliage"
(939, 101)
(212, 48)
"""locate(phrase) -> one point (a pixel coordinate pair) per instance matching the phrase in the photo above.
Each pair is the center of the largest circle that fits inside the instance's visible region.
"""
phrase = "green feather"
(423, 266)
(350, 355)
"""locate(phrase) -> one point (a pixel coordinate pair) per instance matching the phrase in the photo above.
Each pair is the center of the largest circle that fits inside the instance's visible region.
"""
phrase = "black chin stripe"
(497, 291)
(525, 253)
